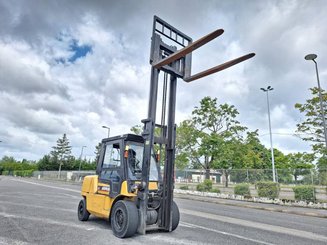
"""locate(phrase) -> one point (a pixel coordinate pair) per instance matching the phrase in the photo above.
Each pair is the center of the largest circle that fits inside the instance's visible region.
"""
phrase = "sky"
(73, 66)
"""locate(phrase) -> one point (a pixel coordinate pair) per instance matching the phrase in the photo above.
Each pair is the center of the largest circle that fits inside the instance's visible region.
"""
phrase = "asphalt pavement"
(40, 212)
(304, 211)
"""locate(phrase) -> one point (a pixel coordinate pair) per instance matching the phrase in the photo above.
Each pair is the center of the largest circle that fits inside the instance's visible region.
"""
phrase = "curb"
(245, 205)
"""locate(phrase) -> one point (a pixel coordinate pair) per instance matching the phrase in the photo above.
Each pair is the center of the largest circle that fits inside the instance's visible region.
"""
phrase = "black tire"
(175, 216)
(124, 219)
(82, 213)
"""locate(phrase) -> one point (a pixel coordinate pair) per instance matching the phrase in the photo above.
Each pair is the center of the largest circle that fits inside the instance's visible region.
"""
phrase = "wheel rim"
(119, 219)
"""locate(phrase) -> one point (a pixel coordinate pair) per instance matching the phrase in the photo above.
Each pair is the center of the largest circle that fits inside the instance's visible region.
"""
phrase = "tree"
(61, 153)
(185, 142)
(300, 164)
(137, 129)
(97, 152)
(311, 128)
(257, 156)
(46, 163)
(282, 167)
(207, 136)
(229, 156)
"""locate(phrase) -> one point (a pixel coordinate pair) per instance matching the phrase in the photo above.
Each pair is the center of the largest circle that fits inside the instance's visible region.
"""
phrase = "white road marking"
(257, 225)
(38, 206)
(49, 186)
(76, 197)
(172, 240)
(6, 241)
(183, 224)
(52, 222)
(226, 233)
(39, 194)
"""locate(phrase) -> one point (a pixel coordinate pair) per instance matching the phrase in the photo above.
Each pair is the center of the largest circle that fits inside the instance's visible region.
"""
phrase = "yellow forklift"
(134, 182)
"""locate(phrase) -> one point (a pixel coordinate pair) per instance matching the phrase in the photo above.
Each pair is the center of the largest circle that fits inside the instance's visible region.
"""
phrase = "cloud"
(42, 98)
(23, 71)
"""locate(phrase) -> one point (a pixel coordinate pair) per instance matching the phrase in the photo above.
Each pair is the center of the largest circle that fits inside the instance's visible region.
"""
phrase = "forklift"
(134, 181)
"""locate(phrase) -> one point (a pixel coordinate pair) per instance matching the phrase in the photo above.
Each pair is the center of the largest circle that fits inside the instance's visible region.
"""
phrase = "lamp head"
(310, 57)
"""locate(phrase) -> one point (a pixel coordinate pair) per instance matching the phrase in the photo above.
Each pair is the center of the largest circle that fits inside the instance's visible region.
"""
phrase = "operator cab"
(121, 159)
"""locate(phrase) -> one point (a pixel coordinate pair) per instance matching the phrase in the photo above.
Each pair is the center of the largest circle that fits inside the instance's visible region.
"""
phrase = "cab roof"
(126, 137)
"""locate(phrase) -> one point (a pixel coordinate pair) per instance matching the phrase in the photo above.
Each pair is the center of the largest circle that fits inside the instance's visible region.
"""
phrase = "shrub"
(206, 186)
(23, 173)
(242, 189)
(184, 187)
(268, 189)
(304, 193)
(201, 187)
(215, 190)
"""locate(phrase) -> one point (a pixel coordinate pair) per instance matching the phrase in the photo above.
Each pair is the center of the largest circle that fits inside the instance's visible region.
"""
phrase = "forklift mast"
(174, 64)
(166, 140)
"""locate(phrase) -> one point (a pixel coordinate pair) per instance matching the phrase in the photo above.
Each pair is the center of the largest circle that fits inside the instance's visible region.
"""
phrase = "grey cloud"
(113, 81)
(19, 78)
(38, 121)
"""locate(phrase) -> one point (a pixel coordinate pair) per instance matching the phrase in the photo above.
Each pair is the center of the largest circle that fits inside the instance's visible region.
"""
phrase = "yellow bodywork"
(97, 197)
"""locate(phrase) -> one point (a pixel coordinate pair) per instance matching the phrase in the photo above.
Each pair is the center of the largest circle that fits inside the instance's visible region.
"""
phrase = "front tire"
(82, 213)
(175, 216)
(124, 219)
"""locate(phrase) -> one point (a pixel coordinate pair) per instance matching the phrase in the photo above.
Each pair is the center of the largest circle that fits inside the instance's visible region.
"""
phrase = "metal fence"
(232, 176)
(63, 175)
(51, 175)
(283, 176)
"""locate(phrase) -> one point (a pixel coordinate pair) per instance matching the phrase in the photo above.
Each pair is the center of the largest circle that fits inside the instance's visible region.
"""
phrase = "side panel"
(98, 201)
(97, 197)
(96, 205)
(90, 184)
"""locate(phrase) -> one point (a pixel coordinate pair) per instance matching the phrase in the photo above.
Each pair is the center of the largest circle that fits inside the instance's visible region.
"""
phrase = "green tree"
(257, 155)
(97, 152)
(185, 141)
(46, 163)
(322, 166)
(11, 166)
(61, 153)
(282, 167)
(137, 129)
(311, 128)
(207, 135)
(300, 164)
(229, 156)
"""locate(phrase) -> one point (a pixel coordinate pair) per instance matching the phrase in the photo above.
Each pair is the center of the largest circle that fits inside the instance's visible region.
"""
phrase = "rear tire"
(175, 216)
(82, 213)
(124, 219)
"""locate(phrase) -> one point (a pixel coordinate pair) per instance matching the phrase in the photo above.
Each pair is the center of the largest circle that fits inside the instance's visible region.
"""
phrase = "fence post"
(311, 171)
(276, 175)
(247, 175)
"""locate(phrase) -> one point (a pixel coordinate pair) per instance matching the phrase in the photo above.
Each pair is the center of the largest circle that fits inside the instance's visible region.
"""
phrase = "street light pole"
(80, 161)
(269, 88)
(108, 130)
(313, 57)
